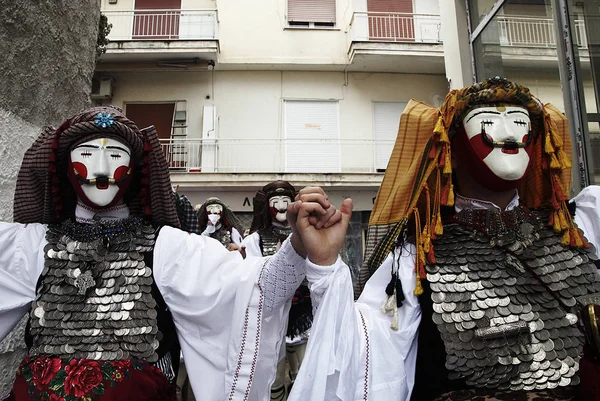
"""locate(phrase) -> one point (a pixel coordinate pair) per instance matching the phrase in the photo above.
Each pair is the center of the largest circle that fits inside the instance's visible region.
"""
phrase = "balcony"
(529, 39)
(378, 39)
(162, 35)
(239, 162)
(535, 32)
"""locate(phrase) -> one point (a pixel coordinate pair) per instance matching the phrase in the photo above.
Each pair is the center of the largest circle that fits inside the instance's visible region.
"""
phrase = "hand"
(318, 228)
(232, 246)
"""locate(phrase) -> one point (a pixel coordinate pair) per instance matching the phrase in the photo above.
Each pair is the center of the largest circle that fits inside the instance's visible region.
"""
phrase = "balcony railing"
(534, 32)
(395, 27)
(162, 24)
(269, 155)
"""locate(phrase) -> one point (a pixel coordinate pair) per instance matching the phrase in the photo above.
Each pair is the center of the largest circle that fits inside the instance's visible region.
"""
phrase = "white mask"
(500, 137)
(278, 206)
(100, 164)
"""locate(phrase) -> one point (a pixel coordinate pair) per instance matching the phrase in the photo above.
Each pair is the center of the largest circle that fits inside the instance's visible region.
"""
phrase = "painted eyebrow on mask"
(517, 111)
(119, 148)
(98, 147)
(482, 112)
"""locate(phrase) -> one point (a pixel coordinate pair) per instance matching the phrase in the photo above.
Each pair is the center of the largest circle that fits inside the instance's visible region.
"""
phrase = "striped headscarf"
(418, 178)
(44, 193)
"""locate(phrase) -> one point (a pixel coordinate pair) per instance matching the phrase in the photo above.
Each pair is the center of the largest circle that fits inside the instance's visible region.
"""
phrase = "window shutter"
(311, 11)
(386, 120)
(312, 137)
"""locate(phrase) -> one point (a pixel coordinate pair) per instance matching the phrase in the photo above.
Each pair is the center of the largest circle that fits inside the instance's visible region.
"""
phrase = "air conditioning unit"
(102, 88)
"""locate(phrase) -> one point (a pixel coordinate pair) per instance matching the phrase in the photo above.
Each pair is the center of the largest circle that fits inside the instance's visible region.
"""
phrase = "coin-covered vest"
(222, 235)
(96, 297)
(503, 294)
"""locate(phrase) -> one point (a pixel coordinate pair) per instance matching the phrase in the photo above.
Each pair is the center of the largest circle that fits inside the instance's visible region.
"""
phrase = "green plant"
(103, 31)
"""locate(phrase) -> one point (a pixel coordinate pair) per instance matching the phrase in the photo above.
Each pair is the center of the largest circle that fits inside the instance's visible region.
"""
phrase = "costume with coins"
(218, 221)
(110, 283)
(475, 271)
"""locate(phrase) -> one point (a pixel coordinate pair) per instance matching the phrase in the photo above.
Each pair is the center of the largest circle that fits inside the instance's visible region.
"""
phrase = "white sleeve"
(587, 214)
(21, 263)
(352, 352)
(218, 307)
(252, 244)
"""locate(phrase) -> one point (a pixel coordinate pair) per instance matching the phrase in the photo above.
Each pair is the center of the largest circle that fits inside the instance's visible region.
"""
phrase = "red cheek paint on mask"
(80, 169)
(120, 172)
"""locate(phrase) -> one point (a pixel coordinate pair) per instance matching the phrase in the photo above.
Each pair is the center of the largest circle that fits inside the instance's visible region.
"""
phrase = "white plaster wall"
(251, 34)
(249, 107)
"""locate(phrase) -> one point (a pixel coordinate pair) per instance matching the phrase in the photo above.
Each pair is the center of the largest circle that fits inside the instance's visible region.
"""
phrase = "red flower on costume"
(54, 397)
(123, 364)
(82, 376)
(43, 371)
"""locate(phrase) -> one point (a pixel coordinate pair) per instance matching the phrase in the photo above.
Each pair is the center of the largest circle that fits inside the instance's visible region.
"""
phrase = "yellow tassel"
(578, 239)
(554, 163)
(426, 240)
(448, 161)
(548, 148)
(451, 196)
(418, 287)
(441, 131)
(566, 238)
(562, 221)
(564, 160)
(439, 227)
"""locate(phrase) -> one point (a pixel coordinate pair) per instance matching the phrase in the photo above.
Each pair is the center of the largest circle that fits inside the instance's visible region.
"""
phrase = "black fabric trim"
(431, 376)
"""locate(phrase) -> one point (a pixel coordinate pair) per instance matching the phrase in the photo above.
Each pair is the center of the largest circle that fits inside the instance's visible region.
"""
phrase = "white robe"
(215, 297)
(352, 353)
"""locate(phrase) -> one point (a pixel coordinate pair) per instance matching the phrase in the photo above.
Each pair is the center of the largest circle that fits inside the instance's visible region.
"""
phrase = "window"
(386, 119)
(311, 13)
(311, 130)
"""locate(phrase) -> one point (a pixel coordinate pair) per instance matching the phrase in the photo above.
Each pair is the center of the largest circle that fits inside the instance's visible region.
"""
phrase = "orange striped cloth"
(418, 178)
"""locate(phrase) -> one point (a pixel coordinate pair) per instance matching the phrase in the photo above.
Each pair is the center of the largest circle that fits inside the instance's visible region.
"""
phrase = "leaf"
(58, 381)
(99, 389)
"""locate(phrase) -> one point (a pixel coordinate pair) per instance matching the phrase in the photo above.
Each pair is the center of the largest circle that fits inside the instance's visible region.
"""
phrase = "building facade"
(311, 91)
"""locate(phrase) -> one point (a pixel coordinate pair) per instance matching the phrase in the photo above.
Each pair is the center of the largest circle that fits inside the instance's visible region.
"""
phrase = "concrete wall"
(48, 54)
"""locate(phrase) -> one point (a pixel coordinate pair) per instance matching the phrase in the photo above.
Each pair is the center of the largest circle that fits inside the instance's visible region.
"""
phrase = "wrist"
(298, 245)
(323, 261)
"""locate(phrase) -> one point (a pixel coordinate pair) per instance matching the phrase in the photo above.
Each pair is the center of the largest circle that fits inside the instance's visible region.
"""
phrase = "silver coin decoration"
(94, 300)
(501, 327)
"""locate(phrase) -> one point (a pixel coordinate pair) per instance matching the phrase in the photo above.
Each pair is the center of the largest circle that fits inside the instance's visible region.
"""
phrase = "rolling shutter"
(312, 137)
(386, 120)
(311, 11)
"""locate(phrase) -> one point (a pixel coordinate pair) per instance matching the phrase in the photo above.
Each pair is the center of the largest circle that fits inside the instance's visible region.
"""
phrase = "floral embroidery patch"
(53, 379)
(104, 120)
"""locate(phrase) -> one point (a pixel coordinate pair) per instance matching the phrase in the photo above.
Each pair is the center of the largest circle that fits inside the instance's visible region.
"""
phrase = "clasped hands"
(318, 228)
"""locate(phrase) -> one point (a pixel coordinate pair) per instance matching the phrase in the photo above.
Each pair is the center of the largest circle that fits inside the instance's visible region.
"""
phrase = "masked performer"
(108, 280)
(269, 229)
(218, 221)
(483, 267)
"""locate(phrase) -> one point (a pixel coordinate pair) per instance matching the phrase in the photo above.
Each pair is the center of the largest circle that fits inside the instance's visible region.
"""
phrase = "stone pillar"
(48, 50)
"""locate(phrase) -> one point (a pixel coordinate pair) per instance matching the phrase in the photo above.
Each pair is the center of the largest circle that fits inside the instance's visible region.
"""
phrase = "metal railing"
(162, 24)
(268, 155)
(395, 27)
(534, 32)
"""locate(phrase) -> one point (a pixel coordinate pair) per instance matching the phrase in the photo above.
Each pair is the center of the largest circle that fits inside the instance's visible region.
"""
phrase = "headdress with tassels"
(44, 193)
(418, 179)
